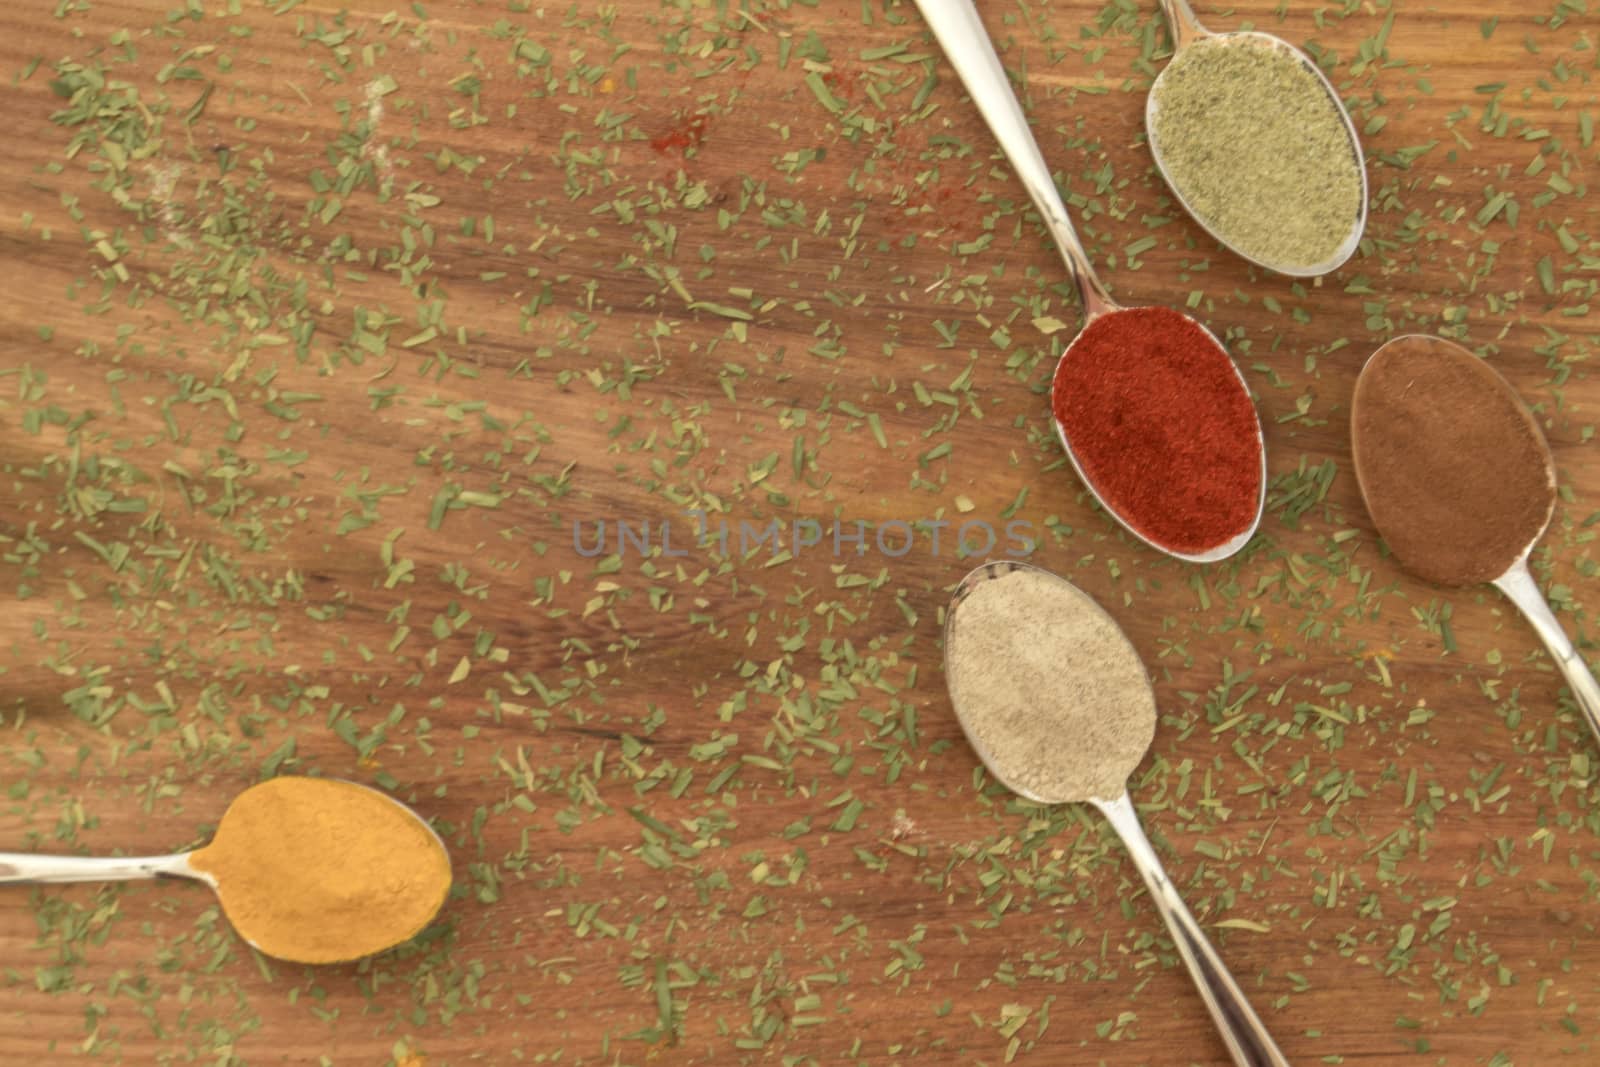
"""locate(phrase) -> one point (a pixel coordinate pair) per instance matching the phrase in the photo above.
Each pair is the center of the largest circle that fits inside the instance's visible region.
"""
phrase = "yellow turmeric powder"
(319, 871)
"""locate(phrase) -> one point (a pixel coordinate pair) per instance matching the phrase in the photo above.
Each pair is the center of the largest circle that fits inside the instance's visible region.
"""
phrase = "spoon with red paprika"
(1152, 412)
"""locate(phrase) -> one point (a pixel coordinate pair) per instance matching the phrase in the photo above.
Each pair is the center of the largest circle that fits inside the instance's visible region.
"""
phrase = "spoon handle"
(1242, 1030)
(961, 34)
(1520, 588)
(29, 867)
(1183, 24)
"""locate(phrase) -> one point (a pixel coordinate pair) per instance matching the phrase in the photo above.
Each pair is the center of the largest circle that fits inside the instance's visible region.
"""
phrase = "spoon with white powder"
(1056, 702)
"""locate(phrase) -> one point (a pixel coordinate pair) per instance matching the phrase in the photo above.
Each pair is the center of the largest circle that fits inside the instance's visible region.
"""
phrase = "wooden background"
(326, 323)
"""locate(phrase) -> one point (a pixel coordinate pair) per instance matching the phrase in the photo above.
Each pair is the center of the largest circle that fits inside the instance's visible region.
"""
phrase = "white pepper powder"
(1048, 688)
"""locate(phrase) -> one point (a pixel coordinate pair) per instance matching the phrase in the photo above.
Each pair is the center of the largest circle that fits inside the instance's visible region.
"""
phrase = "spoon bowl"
(1241, 1029)
(1186, 30)
(29, 868)
(1214, 554)
(1420, 459)
(961, 34)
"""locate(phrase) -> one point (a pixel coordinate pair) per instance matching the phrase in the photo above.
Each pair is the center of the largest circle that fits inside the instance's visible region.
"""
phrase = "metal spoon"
(20, 868)
(1517, 581)
(961, 34)
(1242, 1031)
(1519, 587)
(1186, 29)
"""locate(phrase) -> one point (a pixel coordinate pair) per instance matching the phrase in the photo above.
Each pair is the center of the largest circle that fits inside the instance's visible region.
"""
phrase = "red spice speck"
(683, 136)
(840, 86)
(1162, 427)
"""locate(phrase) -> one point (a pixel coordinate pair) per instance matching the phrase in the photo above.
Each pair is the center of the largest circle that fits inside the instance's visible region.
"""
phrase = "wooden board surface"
(327, 324)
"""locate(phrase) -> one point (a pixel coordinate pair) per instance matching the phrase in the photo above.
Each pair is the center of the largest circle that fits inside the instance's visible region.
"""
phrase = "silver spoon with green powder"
(1055, 701)
(1258, 147)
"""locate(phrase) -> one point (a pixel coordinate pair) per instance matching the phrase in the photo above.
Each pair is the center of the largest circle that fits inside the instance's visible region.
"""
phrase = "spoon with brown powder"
(1056, 702)
(1459, 481)
(312, 870)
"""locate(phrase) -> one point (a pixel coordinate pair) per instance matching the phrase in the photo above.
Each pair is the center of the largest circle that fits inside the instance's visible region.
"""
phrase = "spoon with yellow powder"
(312, 870)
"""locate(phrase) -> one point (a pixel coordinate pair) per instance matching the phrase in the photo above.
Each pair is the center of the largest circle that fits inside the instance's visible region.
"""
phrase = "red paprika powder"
(1162, 427)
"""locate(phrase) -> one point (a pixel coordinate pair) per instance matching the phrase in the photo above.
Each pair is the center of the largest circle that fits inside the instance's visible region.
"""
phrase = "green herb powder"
(1256, 147)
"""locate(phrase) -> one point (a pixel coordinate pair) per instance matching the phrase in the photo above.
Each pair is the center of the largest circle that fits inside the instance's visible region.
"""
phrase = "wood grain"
(234, 540)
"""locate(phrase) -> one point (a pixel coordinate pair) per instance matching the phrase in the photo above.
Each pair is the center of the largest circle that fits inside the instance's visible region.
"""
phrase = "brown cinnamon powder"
(1455, 472)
